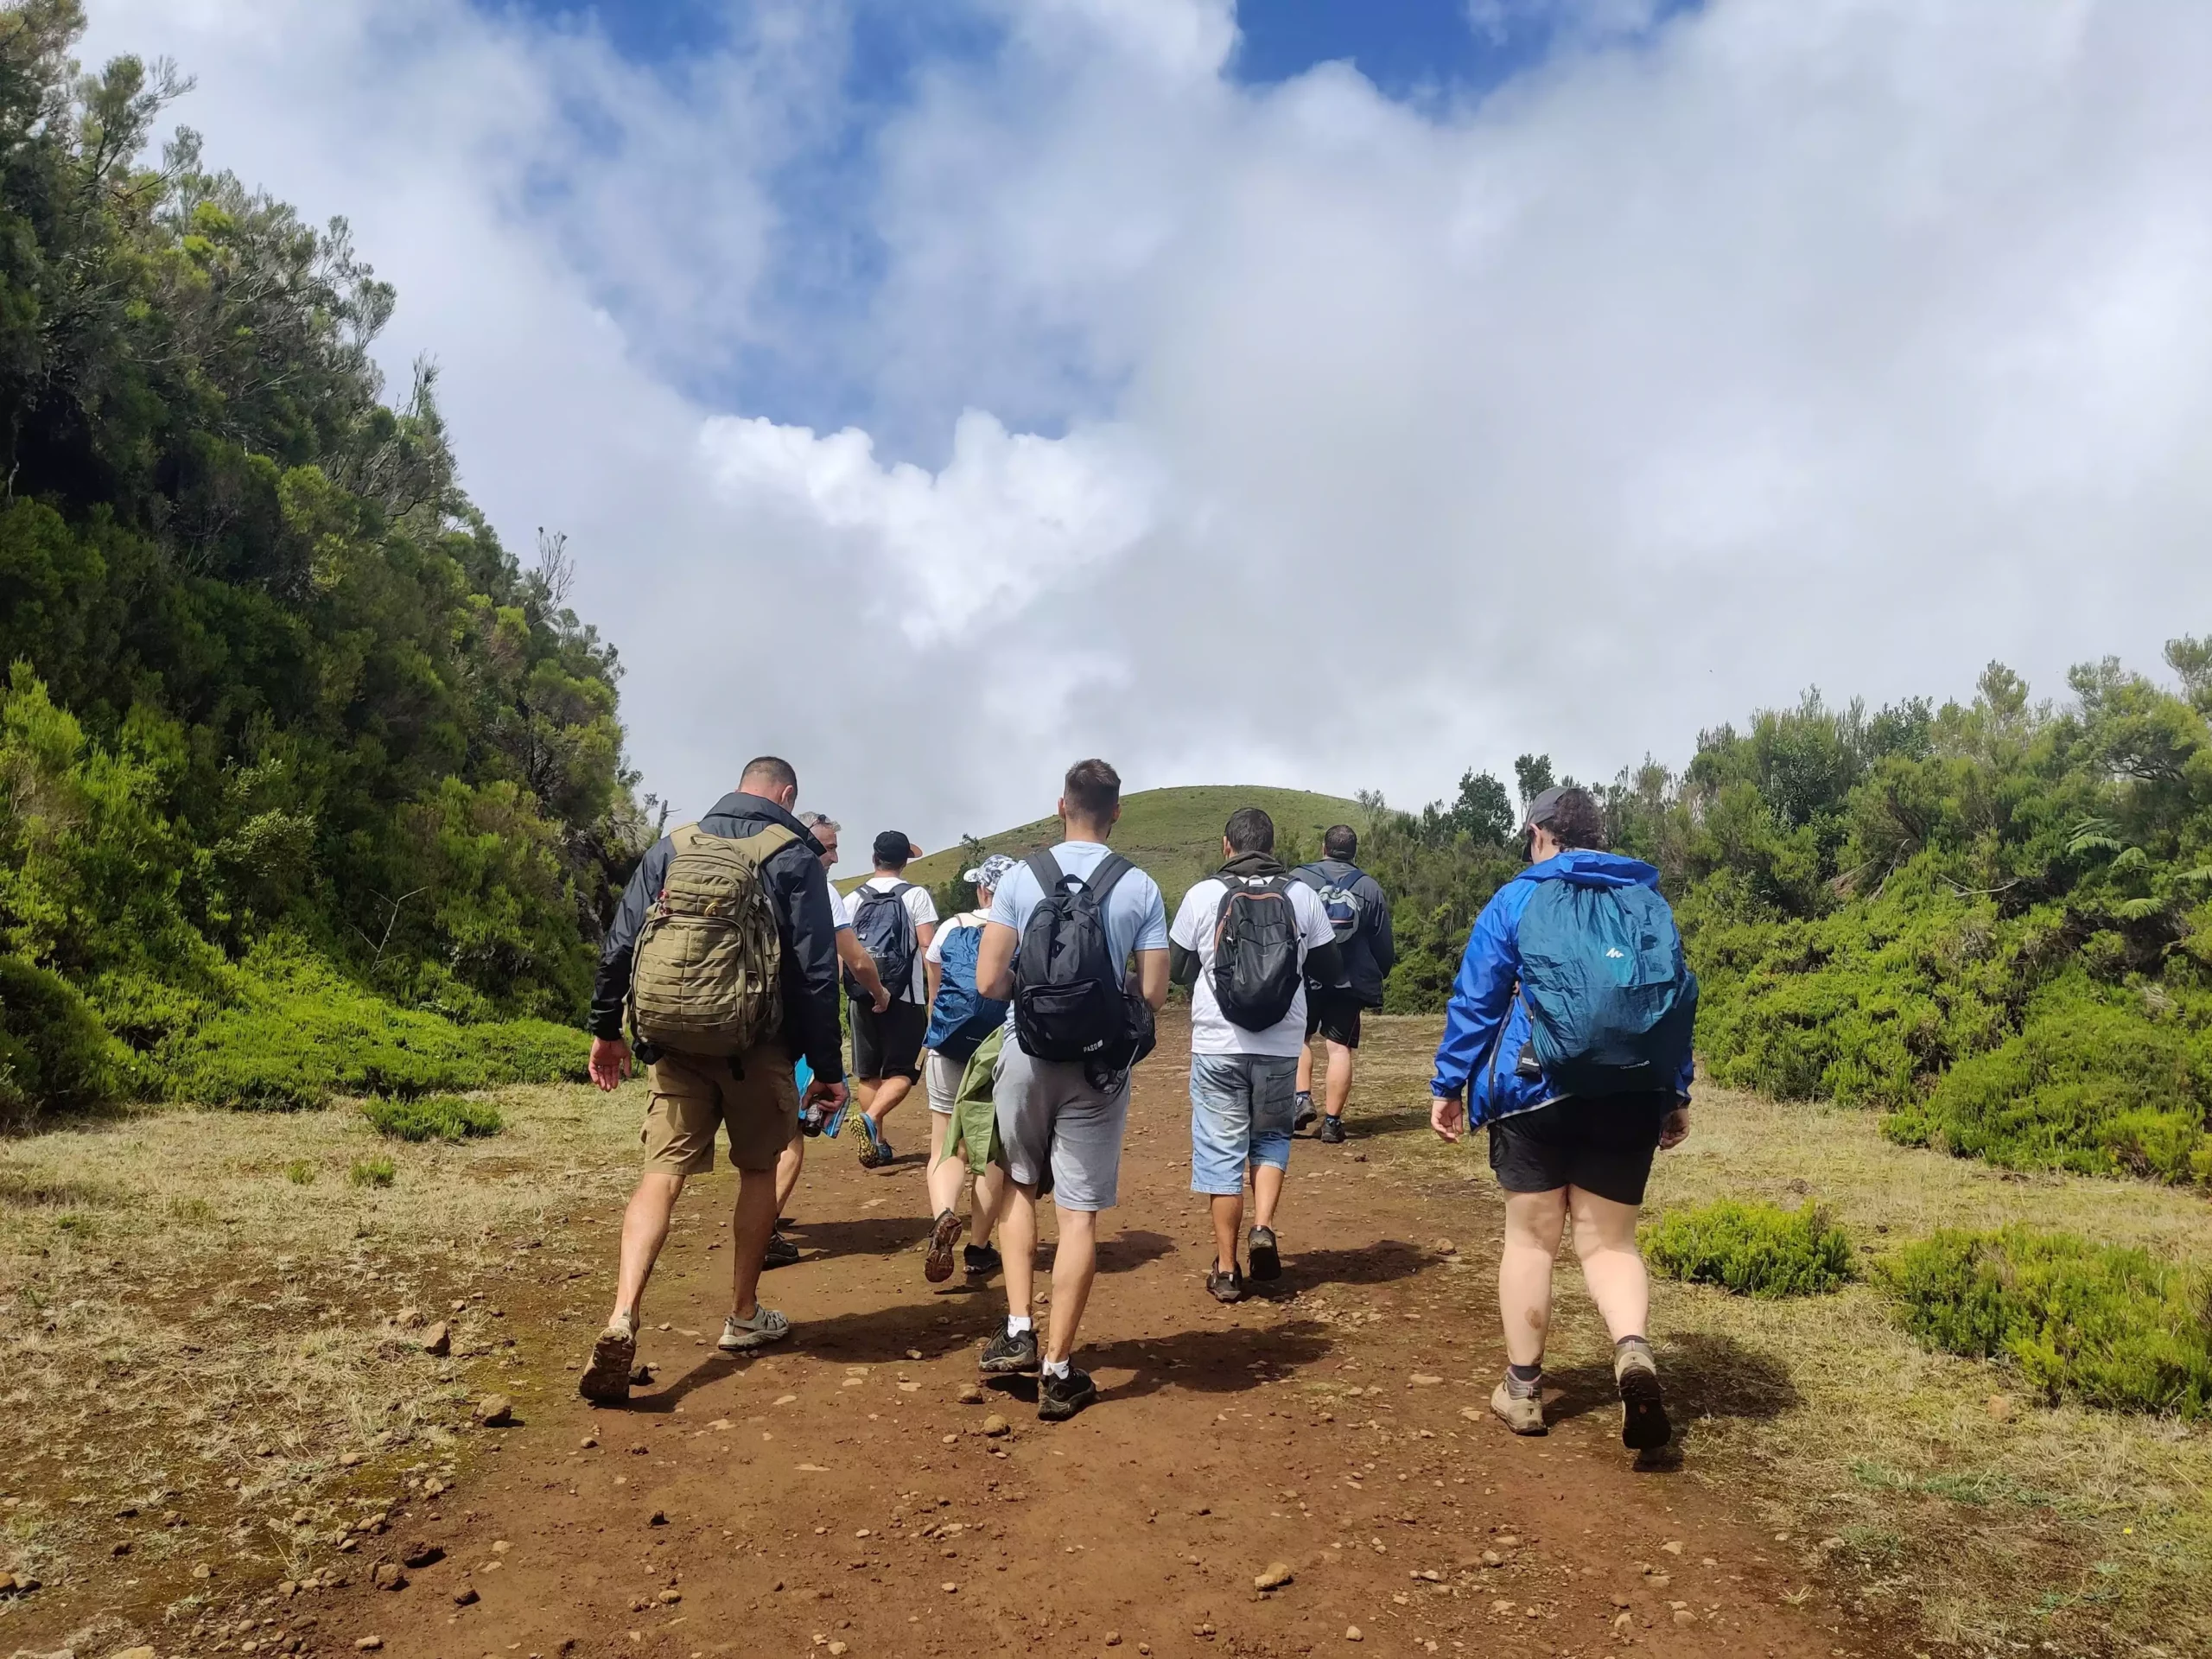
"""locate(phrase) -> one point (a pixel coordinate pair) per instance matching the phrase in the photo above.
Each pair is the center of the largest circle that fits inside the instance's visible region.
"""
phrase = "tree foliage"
(266, 665)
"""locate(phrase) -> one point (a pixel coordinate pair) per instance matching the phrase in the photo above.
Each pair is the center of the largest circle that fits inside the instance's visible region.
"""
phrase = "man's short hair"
(1572, 817)
(769, 772)
(1250, 831)
(1092, 790)
(1340, 840)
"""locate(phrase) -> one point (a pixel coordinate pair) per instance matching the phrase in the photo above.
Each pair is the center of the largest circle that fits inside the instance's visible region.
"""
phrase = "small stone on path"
(437, 1341)
(994, 1426)
(1352, 1633)
(494, 1411)
(1278, 1574)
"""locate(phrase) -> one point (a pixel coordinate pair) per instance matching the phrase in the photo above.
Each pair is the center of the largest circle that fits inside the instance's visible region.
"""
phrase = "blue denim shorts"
(1242, 1109)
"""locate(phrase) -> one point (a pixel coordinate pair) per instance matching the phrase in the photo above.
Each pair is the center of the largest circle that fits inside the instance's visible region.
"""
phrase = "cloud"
(1291, 434)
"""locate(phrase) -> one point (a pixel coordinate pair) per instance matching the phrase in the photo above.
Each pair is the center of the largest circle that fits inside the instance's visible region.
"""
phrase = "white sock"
(1056, 1368)
(1016, 1324)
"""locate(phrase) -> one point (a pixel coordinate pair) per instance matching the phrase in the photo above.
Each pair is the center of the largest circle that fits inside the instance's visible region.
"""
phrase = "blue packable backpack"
(1612, 1006)
(959, 1019)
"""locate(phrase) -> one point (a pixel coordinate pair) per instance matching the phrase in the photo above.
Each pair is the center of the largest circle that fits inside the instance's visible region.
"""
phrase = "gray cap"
(1542, 810)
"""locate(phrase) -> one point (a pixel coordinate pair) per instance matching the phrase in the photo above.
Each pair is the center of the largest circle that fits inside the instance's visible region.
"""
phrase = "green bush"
(2105, 1326)
(438, 1117)
(301, 1033)
(373, 1172)
(54, 1054)
(1753, 1249)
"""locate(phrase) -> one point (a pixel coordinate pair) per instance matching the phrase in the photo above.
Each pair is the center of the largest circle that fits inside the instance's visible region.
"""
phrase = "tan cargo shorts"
(693, 1094)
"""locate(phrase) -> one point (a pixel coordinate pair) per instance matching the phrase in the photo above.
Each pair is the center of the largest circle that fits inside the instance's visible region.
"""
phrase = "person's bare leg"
(946, 1175)
(751, 1222)
(1075, 1264)
(1604, 1237)
(1534, 1225)
(864, 1091)
(1228, 1211)
(789, 1167)
(886, 1097)
(645, 1229)
(1018, 1244)
(1266, 1193)
(1306, 1068)
(991, 1188)
(1340, 1084)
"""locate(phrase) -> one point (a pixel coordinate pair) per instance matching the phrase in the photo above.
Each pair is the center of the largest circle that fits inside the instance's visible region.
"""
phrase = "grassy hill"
(1172, 835)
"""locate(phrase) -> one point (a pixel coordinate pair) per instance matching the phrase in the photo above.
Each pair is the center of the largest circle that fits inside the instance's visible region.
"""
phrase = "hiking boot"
(1644, 1426)
(1059, 1398)
(1522, 1413)
(781, 1252)
(875, 1149)
(937, 1267)
(1225, 1285)
(1006, 1353)
(767, 1325)
(1331, 1133)
(1306, 1112)
(606, 1380)
(1266, 1258)
(980, 1260)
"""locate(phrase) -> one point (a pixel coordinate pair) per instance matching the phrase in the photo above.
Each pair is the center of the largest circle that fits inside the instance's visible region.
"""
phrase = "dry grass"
(201, 1320)
(2013, 1527)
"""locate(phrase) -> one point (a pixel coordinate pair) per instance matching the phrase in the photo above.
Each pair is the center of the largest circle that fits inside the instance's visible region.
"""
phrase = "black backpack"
(1070, 999)
(887, 932)
(1257, 963)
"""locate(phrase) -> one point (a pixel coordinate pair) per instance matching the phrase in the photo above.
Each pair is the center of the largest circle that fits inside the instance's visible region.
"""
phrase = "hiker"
(782, 1252)
(1359, 916)
(893, 921)
(724, 956)
(959, 1022)
(1083, 1017)
(1572, 1015)
(1245, 941)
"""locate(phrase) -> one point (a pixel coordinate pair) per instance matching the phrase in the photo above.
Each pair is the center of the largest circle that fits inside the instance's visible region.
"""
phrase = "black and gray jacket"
(798, 887)
(1371, 952)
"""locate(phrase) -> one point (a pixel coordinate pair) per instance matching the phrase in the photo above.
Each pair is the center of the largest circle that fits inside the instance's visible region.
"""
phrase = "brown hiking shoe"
(606, 1378)
(1523, 1413)
(937, 1268)
(1644, 1426)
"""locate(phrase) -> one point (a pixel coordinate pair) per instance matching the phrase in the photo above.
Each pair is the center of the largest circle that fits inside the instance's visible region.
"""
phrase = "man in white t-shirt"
(887, 1043)
(1242, 941)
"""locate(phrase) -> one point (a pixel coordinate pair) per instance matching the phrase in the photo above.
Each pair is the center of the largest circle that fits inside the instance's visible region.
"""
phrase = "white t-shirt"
(965, 918)
(921, 910)
(840, 917)
(1210, 1033)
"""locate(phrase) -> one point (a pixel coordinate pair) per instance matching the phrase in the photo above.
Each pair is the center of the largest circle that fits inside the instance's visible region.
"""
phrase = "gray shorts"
(1052, 1118)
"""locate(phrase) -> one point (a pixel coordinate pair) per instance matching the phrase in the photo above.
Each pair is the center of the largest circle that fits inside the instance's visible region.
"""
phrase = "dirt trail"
(837, 1495)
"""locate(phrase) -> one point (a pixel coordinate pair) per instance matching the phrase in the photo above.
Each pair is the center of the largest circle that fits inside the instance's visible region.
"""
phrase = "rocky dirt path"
(838, 1496)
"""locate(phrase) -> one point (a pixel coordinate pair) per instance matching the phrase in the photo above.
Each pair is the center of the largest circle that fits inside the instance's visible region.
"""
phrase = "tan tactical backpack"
(707, 977)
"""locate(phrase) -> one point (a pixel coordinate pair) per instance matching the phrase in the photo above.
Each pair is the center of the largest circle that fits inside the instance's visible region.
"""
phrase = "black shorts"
(1601, 1143)
(1336, 1018)
(889, 1044)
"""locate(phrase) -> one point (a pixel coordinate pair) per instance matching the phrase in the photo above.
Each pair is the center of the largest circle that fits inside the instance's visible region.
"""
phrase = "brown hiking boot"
(606, 1380)
(1523, 1413)
(1644, 1426)
(937, 1268)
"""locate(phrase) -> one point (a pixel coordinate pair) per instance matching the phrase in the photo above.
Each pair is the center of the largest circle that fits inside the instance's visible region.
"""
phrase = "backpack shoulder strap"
(684, 837)
(1108, 870)
(765, 844)
(1047, 869)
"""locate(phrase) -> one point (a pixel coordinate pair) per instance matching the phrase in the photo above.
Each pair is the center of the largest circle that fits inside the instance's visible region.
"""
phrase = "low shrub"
(54, 1054)
(434, 1117)
(299, 1033)
(1753, 1249)
(2092, 1323)
(373, 1172)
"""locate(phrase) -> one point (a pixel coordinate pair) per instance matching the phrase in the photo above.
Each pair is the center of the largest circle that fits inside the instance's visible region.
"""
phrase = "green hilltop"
(1172, 835)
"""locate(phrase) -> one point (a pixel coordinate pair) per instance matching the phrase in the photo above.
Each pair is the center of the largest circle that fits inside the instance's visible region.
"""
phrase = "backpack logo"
(1615, 952)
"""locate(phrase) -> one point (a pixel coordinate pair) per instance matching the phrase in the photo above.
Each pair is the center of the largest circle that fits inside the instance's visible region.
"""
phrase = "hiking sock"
(1054, 1367)
(1016, 1324)
(1524, 1382)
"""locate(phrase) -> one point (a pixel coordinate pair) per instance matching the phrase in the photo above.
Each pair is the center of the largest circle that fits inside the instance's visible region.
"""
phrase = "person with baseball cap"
(960, 1021)
(1568, 1034)
(894, 921)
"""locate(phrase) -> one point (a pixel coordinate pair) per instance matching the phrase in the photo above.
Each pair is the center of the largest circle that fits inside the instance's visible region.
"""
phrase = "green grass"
(436, 1117)
(373, 1172)
(2106, 1326)
(1753, 1249)
(1172, 835)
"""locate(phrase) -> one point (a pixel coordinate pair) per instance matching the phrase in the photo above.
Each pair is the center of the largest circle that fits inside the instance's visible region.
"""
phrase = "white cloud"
(1307, 436)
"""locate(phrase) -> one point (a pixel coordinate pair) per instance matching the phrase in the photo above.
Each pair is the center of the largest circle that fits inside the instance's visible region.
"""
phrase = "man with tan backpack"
(723, 955)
